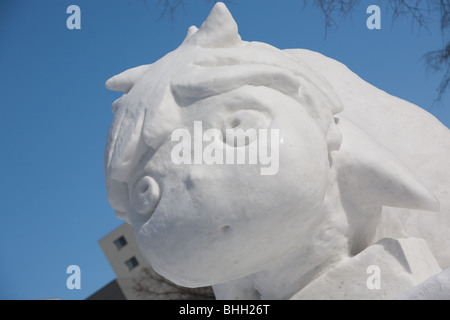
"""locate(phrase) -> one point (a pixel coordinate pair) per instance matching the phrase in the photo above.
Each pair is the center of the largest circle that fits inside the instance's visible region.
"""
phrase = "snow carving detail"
(348, 175)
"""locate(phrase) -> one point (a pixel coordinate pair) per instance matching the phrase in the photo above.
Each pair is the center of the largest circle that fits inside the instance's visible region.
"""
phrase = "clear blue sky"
(56, 112)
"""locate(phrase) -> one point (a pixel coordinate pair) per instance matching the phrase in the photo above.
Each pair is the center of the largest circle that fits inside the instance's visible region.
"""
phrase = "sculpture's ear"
(218, 31)
(370, 174)
(125, 81)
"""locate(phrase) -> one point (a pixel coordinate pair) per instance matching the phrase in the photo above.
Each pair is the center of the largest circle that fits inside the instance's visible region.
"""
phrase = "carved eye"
(241, 128)
(145, 196)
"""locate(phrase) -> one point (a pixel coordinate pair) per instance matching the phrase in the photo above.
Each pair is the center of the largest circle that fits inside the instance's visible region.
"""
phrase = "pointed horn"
(125, 81)
(191, 31)
(219, 30)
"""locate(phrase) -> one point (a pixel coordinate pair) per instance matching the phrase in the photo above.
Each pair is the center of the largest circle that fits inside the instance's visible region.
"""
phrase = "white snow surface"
(356, 165)
(434, 288)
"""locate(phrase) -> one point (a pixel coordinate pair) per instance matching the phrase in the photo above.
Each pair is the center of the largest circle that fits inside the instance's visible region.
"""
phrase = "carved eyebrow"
(216, 80)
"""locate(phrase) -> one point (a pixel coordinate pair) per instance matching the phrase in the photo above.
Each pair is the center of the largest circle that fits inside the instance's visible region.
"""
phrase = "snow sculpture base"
(402, 265)
(435, 288)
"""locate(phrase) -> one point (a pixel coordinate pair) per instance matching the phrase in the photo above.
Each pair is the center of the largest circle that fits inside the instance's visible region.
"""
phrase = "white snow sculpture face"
(203, 224)
(200, 224)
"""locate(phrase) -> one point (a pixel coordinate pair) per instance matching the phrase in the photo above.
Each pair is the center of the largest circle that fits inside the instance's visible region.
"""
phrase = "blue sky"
(56, 112)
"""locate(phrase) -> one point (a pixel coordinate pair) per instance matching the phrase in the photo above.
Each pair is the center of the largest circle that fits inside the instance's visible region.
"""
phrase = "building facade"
(136, 280)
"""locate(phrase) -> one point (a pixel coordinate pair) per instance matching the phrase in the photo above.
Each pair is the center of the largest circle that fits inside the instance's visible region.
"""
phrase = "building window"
(132, 263)
(120, 242)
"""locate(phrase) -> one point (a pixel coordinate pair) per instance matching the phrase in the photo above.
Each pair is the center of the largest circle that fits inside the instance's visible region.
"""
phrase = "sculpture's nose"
(145, 196)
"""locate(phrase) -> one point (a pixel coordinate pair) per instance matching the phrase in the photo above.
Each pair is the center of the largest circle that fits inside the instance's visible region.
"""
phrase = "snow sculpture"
(357, 183)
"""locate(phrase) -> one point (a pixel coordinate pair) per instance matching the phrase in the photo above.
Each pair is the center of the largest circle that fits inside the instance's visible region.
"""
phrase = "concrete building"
(122, 252)
(136, 280)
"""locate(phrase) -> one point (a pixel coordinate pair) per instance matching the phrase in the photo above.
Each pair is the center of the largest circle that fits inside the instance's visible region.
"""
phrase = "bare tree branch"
(439, 60)
(421, 13)
(169, 8)
(417, 10)
(330, 8)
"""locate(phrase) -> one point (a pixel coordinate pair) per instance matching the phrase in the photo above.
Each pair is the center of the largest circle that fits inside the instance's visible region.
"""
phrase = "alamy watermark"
(374, 280)
(235, 146)
(374, 21)
(74, 20)
(74, 280)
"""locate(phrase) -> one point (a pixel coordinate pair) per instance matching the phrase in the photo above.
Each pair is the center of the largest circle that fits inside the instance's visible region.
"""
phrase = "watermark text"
(236, 146)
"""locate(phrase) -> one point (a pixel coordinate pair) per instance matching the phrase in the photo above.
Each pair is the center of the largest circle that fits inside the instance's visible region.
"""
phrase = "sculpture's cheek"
(215, 223)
